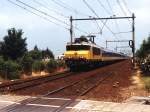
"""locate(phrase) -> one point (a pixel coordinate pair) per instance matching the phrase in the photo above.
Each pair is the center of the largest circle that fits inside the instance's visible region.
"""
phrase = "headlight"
(81, 57)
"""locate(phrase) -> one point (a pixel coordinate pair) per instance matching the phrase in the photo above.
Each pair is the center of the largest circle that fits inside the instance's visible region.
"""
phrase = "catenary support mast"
(108, 18)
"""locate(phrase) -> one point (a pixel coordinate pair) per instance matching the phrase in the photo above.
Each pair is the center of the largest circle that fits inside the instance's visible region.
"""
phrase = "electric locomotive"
(83, 52)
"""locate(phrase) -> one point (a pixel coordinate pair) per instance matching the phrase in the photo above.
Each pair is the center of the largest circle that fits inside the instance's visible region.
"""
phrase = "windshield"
(77, 47)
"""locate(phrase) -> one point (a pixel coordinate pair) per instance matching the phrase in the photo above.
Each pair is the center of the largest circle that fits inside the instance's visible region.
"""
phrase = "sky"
(42, 32)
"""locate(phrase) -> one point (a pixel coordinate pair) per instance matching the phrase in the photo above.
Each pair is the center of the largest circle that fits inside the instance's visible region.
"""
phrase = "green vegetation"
(26, 63)
(35, 54)
(47, 54)
(51, 65)
(13, 46)
(15, 59)
(146, 82)
(9, 69)
(61, 63)
(144, 50)
(143, 54)
(38, 66)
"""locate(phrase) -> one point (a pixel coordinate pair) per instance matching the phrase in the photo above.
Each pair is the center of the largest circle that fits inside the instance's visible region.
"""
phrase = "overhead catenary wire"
(109, 12)
(109, 5)
(101, 4)
(98, 17)
(46, 14)
(122, 9)
(38, 15)
(103, 25)
(68, 8)
(96, 21)
(124, 32)
(125, 4)
(50, 9)
(42, 12)
(116, 23)
(98, 26)
(106, 11)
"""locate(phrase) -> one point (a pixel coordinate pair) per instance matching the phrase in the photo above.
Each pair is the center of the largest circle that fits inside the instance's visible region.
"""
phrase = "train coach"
(83, 52)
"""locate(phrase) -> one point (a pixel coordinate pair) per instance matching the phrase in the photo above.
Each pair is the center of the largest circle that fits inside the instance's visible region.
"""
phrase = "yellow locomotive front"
(81, 54)
(77, 51)
(77, 55)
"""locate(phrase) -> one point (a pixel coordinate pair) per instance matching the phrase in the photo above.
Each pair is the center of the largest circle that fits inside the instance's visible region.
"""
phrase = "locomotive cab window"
(96, 51)
(77, 47)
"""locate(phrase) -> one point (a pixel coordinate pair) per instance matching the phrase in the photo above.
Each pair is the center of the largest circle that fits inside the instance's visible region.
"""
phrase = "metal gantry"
(132, 42)
(129, 41)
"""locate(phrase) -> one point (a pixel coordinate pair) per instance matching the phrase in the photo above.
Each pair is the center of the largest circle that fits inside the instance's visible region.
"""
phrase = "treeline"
(16, 59)
(144, 49)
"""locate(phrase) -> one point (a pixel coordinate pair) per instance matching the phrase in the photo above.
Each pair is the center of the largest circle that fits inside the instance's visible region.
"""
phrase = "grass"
(1, 79)
(146, 82)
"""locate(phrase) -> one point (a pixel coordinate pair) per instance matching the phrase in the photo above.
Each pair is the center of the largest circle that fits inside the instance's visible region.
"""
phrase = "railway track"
(81, 94)
(94, 78)
(60, 89)
(78, 82)
(104, 79)
(21, 84)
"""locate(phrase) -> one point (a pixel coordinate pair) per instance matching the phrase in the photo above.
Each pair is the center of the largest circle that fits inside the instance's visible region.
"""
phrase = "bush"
(38, 66)
(47, 54)
(13, 45)
(146, 82)
(2, 71)
(51, 66)
(9, 69)
(26, 63)
(61, 63)
(35, 54)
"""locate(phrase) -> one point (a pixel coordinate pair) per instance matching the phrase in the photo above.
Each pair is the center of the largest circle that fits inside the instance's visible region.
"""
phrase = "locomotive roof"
(85, 43)
(90, 44)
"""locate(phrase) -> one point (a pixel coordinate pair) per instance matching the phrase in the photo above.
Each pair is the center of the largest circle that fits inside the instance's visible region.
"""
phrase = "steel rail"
(83, 93)
(62, 88)
(32, 82)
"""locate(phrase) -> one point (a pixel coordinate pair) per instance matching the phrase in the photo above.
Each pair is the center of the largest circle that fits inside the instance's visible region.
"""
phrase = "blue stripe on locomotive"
(111, 54)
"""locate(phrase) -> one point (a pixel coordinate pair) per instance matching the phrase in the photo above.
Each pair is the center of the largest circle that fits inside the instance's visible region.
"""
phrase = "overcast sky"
(45, 34)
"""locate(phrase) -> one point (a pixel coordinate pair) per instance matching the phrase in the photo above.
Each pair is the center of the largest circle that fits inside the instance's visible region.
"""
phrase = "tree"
(51, 65)
(38, 66)
(47, 54)
(13, 46)
(61, 63)
(26, 63)
(36, 54)
(36, 48)
(148, 45)
(9, 69)
(144, 50)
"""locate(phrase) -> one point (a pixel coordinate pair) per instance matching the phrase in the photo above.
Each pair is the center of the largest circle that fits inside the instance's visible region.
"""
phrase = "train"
(85, 53)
